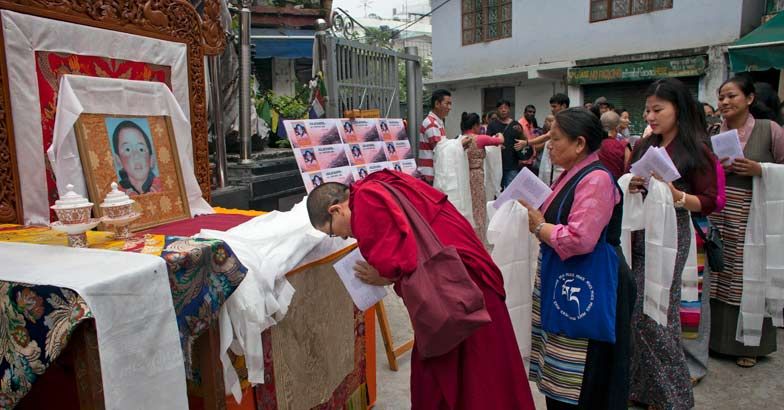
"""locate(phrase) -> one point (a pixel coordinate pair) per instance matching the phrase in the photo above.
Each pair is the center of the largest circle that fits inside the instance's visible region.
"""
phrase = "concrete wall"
(468, 98)
(559, 30)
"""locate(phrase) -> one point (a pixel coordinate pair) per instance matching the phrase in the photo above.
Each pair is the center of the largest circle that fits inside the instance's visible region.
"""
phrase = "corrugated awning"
(283, 43)
(760, 50)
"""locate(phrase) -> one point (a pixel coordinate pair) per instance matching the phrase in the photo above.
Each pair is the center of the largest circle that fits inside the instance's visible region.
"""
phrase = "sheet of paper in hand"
(525, 186)
(727, 145)
(363, 295)
(656, 160)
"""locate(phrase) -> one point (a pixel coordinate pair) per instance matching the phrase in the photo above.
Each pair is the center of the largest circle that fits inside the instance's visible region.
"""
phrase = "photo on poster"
(392, 130)
(392, 154)
(355, 155)
(360, 172)
(311, 133)
(407, 166)
(306, 159)
(403, 150)
(358, 130)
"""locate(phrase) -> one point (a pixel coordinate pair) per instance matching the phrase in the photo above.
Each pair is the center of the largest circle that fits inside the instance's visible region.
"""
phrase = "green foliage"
(283, 143)
(287, 107)
(379, 37)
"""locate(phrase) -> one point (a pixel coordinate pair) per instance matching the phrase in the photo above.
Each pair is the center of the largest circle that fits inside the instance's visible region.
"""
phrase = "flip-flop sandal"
(746, 362)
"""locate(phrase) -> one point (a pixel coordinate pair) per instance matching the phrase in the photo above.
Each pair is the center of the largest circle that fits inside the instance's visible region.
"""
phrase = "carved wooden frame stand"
(171, 20)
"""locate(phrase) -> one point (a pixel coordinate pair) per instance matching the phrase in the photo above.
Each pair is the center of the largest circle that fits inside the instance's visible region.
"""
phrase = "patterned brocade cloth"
(37, 321)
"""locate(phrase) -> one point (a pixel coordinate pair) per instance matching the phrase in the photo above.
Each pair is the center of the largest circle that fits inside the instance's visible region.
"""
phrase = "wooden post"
(386, 334)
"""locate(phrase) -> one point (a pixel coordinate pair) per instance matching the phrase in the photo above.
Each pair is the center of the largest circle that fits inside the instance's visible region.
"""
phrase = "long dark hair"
(579, 122)
(467, 121)
(689, 142)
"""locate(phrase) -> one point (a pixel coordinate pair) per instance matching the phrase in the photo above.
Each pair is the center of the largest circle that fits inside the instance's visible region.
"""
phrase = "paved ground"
(727, 387)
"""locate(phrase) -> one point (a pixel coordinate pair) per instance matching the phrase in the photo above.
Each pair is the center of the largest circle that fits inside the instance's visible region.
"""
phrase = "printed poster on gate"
(366, 153)
(360, 172)
(320, 158)
(392, 129)
(398, 150)
(312, 133)
(342, 175)
(358, 130)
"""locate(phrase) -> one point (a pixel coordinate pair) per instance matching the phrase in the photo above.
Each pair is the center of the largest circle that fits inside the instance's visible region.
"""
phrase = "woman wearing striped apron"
(762, 141)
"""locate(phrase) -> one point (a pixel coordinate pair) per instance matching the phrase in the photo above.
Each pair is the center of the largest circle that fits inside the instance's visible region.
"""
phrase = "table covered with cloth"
(37, 320)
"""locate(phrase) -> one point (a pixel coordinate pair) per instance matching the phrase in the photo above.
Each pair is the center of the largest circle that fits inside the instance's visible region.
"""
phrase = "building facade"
(527, 50)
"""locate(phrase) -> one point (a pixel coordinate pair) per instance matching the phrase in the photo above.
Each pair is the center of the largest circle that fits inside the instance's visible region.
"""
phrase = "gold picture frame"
(145, 145)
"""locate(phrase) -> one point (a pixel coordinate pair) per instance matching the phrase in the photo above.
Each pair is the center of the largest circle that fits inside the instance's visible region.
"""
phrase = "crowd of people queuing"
(584, 154)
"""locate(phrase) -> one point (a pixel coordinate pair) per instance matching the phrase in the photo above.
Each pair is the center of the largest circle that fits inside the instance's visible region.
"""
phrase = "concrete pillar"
(283, 76)
(716, 73)
(575, 94)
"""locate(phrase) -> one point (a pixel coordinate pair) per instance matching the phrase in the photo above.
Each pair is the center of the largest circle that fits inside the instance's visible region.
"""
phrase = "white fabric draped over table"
(130, 298)
(25, 34)
(82, 95)
(270, 246)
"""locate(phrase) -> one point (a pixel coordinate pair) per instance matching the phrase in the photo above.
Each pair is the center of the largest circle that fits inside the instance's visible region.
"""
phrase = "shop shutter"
(630, 95)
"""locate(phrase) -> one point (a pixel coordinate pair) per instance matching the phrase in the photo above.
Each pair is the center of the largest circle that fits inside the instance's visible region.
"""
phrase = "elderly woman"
(762, 141)
(572, 372)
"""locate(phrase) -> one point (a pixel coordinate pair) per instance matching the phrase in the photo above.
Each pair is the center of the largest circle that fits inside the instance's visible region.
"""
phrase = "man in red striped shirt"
(432, 131)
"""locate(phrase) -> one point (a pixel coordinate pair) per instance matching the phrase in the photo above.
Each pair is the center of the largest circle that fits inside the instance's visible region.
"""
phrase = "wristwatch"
(538, 230)
(681, 202)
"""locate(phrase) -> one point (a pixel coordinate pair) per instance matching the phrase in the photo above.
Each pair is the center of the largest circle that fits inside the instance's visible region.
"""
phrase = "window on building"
(612, 9)
(486, 20)
(491, 96)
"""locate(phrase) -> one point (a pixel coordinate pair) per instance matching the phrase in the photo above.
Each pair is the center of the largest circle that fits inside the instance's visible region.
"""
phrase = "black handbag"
(713, 245)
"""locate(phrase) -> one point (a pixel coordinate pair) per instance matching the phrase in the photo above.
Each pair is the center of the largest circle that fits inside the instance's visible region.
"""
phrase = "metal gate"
(360, 76)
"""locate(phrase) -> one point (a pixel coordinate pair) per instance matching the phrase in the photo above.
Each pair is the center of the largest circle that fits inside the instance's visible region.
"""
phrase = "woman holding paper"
(762, 141)
(660, 377)
(573, 366)
(470, 127)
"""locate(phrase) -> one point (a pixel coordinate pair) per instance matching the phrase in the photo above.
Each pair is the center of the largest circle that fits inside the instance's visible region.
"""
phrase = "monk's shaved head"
(321, 198)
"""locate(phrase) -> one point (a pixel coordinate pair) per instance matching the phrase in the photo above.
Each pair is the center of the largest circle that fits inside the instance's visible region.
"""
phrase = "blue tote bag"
(578, 295)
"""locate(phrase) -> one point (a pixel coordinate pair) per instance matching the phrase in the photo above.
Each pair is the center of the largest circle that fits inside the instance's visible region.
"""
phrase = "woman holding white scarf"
(660, 377)
(581, 215)
(762, 141)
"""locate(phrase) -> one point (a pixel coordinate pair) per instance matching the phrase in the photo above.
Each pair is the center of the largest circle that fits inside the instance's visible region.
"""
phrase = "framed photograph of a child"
(140, 154)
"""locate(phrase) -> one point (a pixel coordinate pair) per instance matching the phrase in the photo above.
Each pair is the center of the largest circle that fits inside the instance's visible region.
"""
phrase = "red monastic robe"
(486, 370)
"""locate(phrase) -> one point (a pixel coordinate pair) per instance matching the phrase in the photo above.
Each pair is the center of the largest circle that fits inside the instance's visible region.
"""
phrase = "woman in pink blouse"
(570, 372)
(470, 127)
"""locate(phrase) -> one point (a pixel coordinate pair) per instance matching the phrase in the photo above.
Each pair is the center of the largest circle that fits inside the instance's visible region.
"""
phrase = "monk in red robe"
(486, 370)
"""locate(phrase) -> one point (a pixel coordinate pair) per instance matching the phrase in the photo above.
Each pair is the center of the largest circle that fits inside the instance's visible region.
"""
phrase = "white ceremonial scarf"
(635, 218)
(548, 172)
(493, 172)
(515, 252)
(661, 248)
(450, 164)
(763, 271)
(689, 287)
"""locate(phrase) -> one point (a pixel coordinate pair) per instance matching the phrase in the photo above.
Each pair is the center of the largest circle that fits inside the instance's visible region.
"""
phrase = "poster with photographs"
(342, 175)
(366, 153)
(358, 130)
(392, 130)
(345, 151)
(312, 133)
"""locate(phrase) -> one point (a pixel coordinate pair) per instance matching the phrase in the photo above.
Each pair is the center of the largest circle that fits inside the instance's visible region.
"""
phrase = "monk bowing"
(485, 371)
